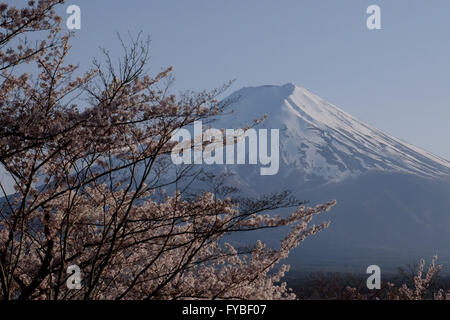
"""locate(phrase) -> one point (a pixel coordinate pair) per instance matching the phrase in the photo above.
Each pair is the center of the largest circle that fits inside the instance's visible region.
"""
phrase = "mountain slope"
(393, 198)
(322, 141)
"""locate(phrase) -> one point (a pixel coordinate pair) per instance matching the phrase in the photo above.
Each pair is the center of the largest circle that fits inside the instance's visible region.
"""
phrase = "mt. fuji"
(325, 142)
(393, 198)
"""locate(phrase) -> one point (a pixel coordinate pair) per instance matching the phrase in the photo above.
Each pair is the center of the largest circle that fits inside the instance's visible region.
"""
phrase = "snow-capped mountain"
(324, 142)
(393, 199)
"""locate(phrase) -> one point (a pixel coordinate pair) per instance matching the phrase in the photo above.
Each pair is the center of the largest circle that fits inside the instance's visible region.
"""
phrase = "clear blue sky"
(397, 78)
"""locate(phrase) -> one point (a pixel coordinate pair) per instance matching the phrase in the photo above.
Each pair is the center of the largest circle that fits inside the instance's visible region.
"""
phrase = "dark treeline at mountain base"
(353, 286)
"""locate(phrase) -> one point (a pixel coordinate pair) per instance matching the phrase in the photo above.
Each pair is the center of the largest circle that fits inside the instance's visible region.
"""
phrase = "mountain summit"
(324, 142)
(393, 198)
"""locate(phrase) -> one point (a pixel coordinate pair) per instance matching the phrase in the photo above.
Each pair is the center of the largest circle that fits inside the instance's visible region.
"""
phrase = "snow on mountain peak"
(320, 140)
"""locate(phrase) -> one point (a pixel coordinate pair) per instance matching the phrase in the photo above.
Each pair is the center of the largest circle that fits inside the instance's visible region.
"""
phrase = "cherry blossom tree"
(421, 290)
(88, 154)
